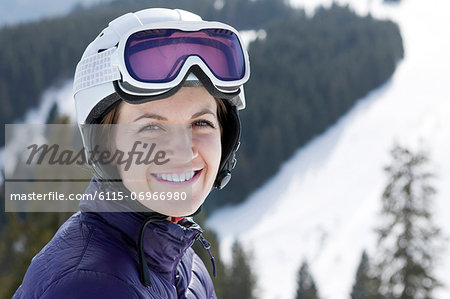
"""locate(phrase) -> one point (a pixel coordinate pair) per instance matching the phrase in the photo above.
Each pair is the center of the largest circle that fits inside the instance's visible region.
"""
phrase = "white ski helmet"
(108, 71)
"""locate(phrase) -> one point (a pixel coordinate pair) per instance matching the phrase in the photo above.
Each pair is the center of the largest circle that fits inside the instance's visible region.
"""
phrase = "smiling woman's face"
(186, 128)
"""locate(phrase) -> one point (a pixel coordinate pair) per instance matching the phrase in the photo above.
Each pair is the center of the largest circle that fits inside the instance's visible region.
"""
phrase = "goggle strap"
(196, 70)
(95, 70)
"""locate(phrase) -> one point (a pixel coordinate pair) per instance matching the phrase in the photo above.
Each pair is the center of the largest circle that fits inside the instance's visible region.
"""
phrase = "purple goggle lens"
(157, 56)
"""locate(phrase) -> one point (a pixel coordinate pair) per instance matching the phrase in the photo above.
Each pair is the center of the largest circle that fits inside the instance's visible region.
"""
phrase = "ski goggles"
(155, 58)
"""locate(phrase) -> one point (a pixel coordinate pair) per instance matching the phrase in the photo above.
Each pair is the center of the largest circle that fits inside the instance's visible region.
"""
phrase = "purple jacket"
(95, 255)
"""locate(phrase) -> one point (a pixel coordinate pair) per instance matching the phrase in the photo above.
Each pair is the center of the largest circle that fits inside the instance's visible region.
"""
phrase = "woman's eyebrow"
(159, 117)
(150, 115)
(202, 112)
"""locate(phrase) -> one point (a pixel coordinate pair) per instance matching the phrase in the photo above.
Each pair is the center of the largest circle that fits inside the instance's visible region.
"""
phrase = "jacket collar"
(165, 242)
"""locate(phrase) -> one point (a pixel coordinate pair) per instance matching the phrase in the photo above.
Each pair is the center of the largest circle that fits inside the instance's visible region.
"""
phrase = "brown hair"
(111, 117)
(107, 133)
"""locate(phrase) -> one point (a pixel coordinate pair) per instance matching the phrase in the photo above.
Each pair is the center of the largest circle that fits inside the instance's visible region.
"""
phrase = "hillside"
(323, 205)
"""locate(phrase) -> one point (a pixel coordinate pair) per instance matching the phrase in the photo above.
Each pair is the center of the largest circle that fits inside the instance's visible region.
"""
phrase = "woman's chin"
(176, 210)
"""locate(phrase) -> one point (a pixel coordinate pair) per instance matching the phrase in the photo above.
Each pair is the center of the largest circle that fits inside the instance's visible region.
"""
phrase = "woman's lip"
(177, 171)
(191, 181)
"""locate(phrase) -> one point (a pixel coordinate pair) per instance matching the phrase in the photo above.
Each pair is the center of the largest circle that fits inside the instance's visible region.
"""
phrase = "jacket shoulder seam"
(91, 231)
(44, 256)
(77, 264)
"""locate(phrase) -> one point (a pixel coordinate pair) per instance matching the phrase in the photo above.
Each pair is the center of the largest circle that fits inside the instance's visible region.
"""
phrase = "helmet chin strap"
(224, 176)
(222, 179)
(230, 145)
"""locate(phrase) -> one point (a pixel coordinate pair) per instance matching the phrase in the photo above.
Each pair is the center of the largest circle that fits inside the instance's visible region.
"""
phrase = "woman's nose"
(181, 149)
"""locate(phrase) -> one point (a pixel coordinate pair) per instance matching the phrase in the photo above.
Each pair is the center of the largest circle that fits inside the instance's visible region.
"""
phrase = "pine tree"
(241, 281)
(366, 285)
(408, 239)
(306, 287)
(23, 235)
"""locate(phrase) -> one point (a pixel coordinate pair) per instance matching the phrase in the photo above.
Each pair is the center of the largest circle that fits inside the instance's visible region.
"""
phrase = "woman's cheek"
(209, 148)
(211, 152)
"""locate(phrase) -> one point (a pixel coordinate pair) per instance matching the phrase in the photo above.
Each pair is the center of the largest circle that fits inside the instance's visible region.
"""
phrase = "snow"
(323, 204)
(62, 96)
(249, 36)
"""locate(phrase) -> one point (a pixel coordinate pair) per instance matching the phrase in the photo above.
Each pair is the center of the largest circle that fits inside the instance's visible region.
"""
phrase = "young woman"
(160, 81)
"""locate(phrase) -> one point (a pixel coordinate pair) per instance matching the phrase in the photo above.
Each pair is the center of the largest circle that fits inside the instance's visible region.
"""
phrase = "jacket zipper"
(199, 236)
(174, 271)
(207, 246)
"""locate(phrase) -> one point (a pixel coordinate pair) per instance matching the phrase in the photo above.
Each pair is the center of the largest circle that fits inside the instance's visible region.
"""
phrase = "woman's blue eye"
(149, 128)
(204, 123)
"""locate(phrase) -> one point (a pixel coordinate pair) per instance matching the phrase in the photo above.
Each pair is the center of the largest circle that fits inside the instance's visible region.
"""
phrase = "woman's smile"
(178, 179)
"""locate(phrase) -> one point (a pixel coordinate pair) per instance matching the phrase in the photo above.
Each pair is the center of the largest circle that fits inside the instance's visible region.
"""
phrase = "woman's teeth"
(174, 177)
